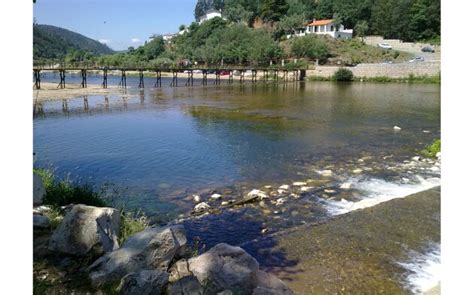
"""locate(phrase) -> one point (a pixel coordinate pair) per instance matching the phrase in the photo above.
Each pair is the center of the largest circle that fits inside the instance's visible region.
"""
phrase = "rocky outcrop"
(87, 230)
(146, 282)
(151, 249)
(188, 285)
(225, 267)
(38, 190)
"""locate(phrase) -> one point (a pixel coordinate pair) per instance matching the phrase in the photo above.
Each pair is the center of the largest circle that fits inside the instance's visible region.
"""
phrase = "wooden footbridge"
(212, 75)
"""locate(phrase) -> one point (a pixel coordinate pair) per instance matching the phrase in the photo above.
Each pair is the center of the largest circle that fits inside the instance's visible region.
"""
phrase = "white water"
(426, 271)
(378, 191)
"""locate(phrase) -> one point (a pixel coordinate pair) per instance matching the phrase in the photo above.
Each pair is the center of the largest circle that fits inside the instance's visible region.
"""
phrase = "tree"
(309, 47)
(182, 27)
(273, 10)
(290, 24)
(361, 29)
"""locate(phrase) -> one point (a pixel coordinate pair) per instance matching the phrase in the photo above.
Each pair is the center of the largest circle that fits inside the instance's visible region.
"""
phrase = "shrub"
(343, 75)
(310, 47)
(131, 224)
(433, 149)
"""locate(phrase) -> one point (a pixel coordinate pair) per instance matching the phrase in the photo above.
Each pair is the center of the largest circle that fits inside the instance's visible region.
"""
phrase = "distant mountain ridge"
(50, 42)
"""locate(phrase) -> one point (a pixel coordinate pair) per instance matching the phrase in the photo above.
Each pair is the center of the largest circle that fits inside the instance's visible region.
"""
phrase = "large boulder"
(151, 249)
(145, 282)
(225, 267)
(268, 284)
(87, 230)
(40, 222)
(38, 190)
(188, 285)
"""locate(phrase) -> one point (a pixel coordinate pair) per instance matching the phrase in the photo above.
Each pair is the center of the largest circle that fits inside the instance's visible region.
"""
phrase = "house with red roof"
(325, 27)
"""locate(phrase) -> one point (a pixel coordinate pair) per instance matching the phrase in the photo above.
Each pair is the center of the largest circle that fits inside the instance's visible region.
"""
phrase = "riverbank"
(425, 79)
(361, 251)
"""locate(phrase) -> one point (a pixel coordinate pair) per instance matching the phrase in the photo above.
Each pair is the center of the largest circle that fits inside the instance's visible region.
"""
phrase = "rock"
(268, 284)
(225, 203)
(307, 188)
(225, 267)
(264, 231)
(281, 191)
(145, 282)
(299, 183)
(329, 191)
(426, 131)
(38, 190)
(257, 193)
(179, 270)
(284, 187)
(153, 248)
(41, 209)
(416, 158)
(280, 201)
(268, 186)
(87, 230)
(40, 222)
(196, 198)
(325, 173)
(296, 196)
(360, 160)
(203, 206)
(216, 196)
(357, 171)
(438, 155)
(225, 292)
(186, 286)
(346, 185)
(262, 204)
(396, 128)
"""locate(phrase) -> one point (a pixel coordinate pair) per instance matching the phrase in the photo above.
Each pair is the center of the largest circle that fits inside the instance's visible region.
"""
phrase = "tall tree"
(273, 10)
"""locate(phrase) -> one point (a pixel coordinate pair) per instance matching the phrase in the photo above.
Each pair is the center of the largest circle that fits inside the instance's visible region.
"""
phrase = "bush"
(130, 225)
(343, 75)
(433, 149)
(64, 192)
(310, 47)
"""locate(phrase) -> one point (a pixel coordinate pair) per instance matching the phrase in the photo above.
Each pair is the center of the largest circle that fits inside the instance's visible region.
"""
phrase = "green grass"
(131, 224)
(431, 150)
(64, 192)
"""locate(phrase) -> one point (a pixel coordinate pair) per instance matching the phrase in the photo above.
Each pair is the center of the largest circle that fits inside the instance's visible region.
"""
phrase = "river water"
(155, 148)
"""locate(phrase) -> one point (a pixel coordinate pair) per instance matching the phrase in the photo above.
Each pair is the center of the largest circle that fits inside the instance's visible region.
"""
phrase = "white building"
(325, 27)
(210, 14)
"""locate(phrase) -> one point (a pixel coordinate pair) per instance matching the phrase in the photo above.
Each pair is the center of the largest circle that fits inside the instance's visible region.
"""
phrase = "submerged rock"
(299, 183)
(216, 196)
(196, 198)
(38, 190)
(357, 171)
(284, 187)
(151, 249)
(325, 173)
(346, 185)
(257, 193)
(87, 230)
(280, 201)
(307, 188)
(268, 284)
(145, 282)
(201, 207)
(396, 128)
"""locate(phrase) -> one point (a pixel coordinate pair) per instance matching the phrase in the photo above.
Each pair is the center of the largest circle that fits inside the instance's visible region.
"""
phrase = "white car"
(385, 46)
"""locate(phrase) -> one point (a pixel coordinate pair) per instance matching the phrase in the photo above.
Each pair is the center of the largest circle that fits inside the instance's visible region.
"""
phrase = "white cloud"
(105, 41)
(135, 40)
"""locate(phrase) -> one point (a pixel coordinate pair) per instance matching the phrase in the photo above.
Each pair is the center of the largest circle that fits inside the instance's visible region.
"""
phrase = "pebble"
(262, 204)
(345, 185)
(224, 203)
(268, 186)
(306, 188)
(299, 183)
(265, 230)
(197, 198)
(260, 194)
(280, 201)
(396, 128)
(426, 131)
(284, 187)
(296, 196)
(357, 171)
(360, 160)
(216, 196)
(281, 191)
(416, 158)
(325, 173)
(329, 191)
(201, 207)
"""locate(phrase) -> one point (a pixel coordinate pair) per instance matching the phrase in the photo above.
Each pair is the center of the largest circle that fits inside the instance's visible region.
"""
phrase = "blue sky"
(118, 23)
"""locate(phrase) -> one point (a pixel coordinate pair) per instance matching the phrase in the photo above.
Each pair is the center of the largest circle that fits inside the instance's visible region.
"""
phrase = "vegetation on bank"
(422, 79)
(431, 150)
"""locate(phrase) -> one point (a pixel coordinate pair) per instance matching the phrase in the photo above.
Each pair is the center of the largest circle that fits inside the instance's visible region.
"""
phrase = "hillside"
(50, 42)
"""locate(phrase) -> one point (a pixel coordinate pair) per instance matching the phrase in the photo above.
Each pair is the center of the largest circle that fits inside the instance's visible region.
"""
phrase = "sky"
(117, 23)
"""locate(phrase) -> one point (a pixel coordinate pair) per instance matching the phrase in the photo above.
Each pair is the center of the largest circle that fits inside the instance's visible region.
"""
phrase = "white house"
(325, 27)
(210, 14)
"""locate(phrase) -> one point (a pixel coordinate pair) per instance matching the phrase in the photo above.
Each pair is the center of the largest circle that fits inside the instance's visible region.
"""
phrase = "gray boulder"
(38, 190)
(145, 282)
(179, 270)
(153, 248)
(225, 267)
(268, 284)
(188, 285)
(40, 222)
(87, 230)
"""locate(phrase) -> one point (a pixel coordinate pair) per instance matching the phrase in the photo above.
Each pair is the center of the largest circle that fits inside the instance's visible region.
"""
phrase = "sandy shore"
(49, 91)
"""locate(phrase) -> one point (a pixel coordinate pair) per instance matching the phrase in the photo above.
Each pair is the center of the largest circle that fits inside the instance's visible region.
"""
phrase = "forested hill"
(408, 20)
(50, 42)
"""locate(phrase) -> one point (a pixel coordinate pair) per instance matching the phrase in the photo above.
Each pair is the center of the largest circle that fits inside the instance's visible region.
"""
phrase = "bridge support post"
(141, 83)
(302, 75)
(158, 79)
(285, 76)
(190, 81)
(123, 80)
(84, 78)
(218, 78)
(37, 75)
(104, 82)
(86, 103)
(204, 77)
(254, 76)
(231, 77)
(174, 81)
(62, 79)
(242, 76)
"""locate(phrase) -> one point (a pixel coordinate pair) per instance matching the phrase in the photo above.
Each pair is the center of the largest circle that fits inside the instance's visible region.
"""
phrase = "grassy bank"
(422, 79)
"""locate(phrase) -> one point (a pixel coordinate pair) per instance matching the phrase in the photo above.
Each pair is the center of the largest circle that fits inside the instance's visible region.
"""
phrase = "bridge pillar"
(123, 80)
(231, 77)
(158, 79)
(37, 75)
(62, 79)
(190, 81)
(104, 81)
(174, 81)
(302, 75)
(204, 77)
(218, 78)
(84, 78)
(242, 76)
(141, 83)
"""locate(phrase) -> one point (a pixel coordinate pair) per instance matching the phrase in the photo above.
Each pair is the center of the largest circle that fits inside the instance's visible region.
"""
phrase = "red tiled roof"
(320, 22)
